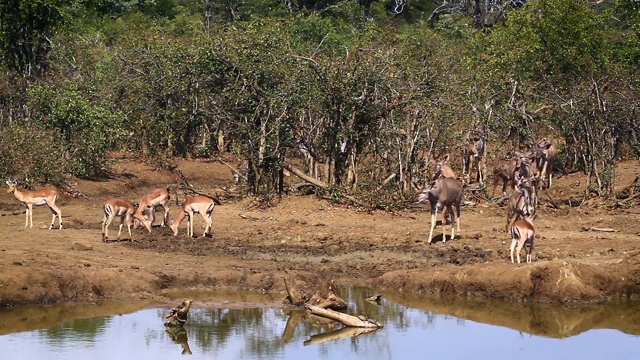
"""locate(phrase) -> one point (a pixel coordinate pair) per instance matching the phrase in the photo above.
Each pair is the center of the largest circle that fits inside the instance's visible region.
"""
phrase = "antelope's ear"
(446, 158)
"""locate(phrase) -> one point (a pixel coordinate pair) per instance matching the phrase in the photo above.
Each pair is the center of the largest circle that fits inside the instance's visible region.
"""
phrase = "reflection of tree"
(82, 329)
(179, 336)
(213, 328)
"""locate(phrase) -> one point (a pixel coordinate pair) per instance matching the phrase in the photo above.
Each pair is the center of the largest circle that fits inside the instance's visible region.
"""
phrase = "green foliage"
(31, 152)
(26, 28)
(351, 84)
(86, 131)
(548, 37)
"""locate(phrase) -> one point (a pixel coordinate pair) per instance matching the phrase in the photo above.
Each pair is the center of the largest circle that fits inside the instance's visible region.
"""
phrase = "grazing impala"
(522, 235)
(124, 210)
(39, 197)
(445, 193)
(192, 205)
(157, 197)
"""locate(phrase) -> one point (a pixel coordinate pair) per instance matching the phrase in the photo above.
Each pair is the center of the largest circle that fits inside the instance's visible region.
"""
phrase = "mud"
(253, 248)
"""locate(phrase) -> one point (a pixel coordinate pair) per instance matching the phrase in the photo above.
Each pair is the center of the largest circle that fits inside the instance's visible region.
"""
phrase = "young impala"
(192, 205)
(39, 197)
(148, 203)
(124, 210)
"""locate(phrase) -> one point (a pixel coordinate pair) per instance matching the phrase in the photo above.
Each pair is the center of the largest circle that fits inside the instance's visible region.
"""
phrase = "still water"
(414, 328)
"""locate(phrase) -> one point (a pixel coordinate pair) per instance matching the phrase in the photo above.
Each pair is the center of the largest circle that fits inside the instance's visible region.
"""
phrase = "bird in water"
(178, 315)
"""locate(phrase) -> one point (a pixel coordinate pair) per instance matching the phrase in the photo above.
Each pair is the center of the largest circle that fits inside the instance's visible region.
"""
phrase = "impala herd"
(128, 213)
(524, 171)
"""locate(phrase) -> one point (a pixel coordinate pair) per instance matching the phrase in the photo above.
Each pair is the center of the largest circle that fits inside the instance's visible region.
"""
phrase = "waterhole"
(250, 326)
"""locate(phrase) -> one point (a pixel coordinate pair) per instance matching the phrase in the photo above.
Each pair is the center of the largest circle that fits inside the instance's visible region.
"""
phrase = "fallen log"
(345, 319)
(233, 169)
(318, 183)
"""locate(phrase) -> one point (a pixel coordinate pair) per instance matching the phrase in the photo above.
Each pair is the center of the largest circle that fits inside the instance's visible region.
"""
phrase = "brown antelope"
(522, 235)
(520, 203)
(124, 210)
(198, 204)
(445, 193)
(443, 169)
(504, 170)
(157, 197)
(545, 156)
(39, 197)
(507, 170)
(474, 154)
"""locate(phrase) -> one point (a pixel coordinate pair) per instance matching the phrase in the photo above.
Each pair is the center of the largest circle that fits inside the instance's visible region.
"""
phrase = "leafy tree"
(26, 30)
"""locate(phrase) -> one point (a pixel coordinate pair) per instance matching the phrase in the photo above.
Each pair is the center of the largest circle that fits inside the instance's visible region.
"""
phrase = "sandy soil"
(312, 241)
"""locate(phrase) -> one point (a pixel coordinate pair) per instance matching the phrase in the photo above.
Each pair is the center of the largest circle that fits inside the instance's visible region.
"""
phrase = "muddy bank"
(312, 241)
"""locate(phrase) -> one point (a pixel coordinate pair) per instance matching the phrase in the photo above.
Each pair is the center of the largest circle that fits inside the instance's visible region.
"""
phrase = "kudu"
(444, 193)
(545, 156)
(521, 204)
(522, 235)
(443, 169)
(507, 170)
(474, 155)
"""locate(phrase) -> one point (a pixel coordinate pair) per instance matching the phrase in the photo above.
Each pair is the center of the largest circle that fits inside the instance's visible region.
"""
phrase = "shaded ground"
(310, 240)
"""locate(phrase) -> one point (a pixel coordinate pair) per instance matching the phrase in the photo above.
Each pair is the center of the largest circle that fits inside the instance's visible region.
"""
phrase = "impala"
(148, 203)
(39, 197)
(124, 210)
(522, 235)
(192, 205)
(445, 193)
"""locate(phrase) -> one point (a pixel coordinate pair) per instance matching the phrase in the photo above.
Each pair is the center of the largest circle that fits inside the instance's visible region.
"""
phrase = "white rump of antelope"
(29, 198)
(522, 235)
(124, 210)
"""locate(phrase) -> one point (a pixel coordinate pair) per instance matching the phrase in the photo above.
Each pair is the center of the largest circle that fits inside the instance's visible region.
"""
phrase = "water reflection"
(414, 327)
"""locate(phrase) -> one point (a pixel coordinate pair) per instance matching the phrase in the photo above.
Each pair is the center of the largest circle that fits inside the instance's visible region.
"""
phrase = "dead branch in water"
(348, 320)
(322, 303)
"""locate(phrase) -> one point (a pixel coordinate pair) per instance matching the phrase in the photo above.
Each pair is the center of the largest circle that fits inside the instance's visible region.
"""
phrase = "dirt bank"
(310, 240)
